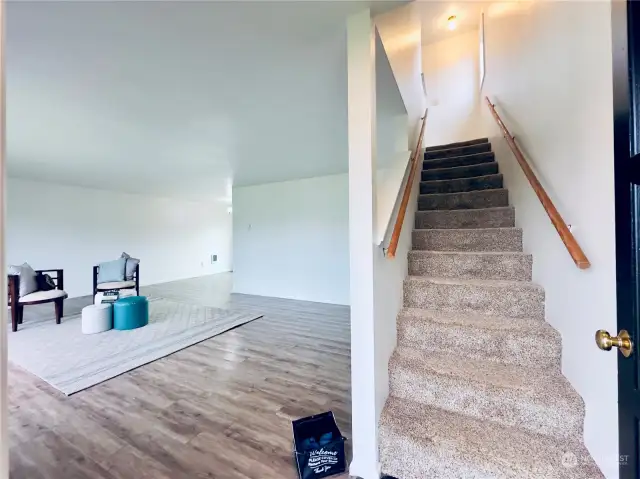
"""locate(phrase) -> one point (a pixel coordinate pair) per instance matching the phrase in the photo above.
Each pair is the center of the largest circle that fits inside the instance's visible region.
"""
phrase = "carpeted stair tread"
(522, 341)
(487, 182)
(478, 239)
(500, 217)
(471, 265)
(423, 442)
(464, 160)
(467, 171)
(464, 200)
(457, 144)
(519, 299)
(457, 151)
(537, 399)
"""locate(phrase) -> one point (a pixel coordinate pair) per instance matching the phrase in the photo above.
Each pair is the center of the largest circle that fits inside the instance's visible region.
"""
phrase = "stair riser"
(532, 349)
(463, 219)
(509, 239)
(484, 401)
(464, 201)
(468, 266)
(491, 182)
(511, 301)
(460, 172)
(466, 160)
(477, 141)
(460, 151)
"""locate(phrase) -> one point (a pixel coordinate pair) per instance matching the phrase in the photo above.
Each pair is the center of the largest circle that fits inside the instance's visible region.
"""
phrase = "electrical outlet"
(214, 258)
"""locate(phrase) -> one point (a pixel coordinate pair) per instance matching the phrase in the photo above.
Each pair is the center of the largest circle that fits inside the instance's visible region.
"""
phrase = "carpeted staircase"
(476, 389)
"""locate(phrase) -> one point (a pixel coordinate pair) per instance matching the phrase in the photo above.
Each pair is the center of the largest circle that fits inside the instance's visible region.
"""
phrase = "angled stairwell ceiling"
(177, 98)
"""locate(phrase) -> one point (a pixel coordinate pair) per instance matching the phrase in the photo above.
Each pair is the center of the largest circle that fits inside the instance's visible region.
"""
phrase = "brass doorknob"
(621, 341)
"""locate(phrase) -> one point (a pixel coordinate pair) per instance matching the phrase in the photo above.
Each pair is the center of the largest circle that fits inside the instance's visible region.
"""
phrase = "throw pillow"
(45, 282)
(130, 266)
(28, 282)
(111, 271)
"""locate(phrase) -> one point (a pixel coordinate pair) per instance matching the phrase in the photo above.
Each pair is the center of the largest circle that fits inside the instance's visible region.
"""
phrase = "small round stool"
(96, 318)
(130, 313)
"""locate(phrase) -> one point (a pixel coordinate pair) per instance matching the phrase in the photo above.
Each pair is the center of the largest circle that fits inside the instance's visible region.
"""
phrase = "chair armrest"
(14, 287)
(95, 279)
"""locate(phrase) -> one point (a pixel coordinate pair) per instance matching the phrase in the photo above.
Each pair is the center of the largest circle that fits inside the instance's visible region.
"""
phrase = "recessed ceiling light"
(451, 22)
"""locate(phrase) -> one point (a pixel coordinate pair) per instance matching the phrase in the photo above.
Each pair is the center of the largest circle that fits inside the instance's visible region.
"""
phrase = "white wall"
(401, 31)
(392, 138)
(549, 73)
(389, 182)
(291, 239)
(451, 70)
(361, 67)
(54, 226)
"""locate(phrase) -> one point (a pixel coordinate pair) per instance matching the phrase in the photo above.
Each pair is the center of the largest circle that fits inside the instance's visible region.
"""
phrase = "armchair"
(131, 284)
(17, 303)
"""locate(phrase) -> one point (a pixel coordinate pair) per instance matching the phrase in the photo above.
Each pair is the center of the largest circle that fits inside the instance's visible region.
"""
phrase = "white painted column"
(4, 406)
(362, 137)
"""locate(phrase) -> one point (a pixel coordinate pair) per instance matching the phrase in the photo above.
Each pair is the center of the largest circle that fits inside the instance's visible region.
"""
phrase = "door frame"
(627, 216)
(4, 404)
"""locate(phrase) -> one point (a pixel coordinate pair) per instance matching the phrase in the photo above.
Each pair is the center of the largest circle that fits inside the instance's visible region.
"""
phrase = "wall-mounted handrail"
(415, 160)
(566, 236)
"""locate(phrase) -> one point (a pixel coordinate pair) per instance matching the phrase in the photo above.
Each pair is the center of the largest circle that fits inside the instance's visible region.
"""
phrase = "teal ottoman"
(130, 313)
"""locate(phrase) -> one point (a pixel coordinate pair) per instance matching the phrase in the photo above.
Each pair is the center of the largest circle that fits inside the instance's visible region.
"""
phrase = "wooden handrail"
(566, 236)
(397, 228)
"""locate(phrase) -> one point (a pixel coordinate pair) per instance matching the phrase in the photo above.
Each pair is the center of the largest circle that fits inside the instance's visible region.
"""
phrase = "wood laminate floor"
(219, 409)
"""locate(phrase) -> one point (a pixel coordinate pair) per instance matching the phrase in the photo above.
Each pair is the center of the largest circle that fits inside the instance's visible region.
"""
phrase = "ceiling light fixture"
(451, 22)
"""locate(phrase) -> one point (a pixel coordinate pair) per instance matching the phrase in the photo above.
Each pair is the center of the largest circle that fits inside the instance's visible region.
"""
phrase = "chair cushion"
(117, 285)
(28, 281)
(45, 282)
(111, 271)
(42, 296)
(130, 266)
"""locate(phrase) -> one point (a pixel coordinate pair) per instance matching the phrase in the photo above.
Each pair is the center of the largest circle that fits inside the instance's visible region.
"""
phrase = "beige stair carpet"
(476, 389)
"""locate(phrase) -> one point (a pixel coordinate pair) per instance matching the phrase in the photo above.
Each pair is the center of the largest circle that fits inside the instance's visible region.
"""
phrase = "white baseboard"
(364, 470)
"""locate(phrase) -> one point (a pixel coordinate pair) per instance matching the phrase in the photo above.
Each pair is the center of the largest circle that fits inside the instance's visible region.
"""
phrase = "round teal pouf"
(130, 313)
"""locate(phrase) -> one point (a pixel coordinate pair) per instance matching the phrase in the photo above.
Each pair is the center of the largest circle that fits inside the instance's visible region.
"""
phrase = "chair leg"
(59, 303)
(14, 318)
(20, 312)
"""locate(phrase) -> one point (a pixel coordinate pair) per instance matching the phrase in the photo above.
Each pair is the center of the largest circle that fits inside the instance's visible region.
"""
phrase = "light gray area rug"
(71, 361)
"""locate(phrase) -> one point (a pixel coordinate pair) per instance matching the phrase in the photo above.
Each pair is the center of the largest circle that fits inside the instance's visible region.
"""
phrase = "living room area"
(178, 289)
(205, 379)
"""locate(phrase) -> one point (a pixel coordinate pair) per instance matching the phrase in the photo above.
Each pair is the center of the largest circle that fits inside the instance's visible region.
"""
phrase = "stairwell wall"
(548, 69)
(452, 78)
(400, 32)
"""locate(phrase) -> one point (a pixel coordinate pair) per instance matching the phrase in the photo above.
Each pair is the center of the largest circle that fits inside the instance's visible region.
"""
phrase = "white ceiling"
(434, 17)
(176, 98)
